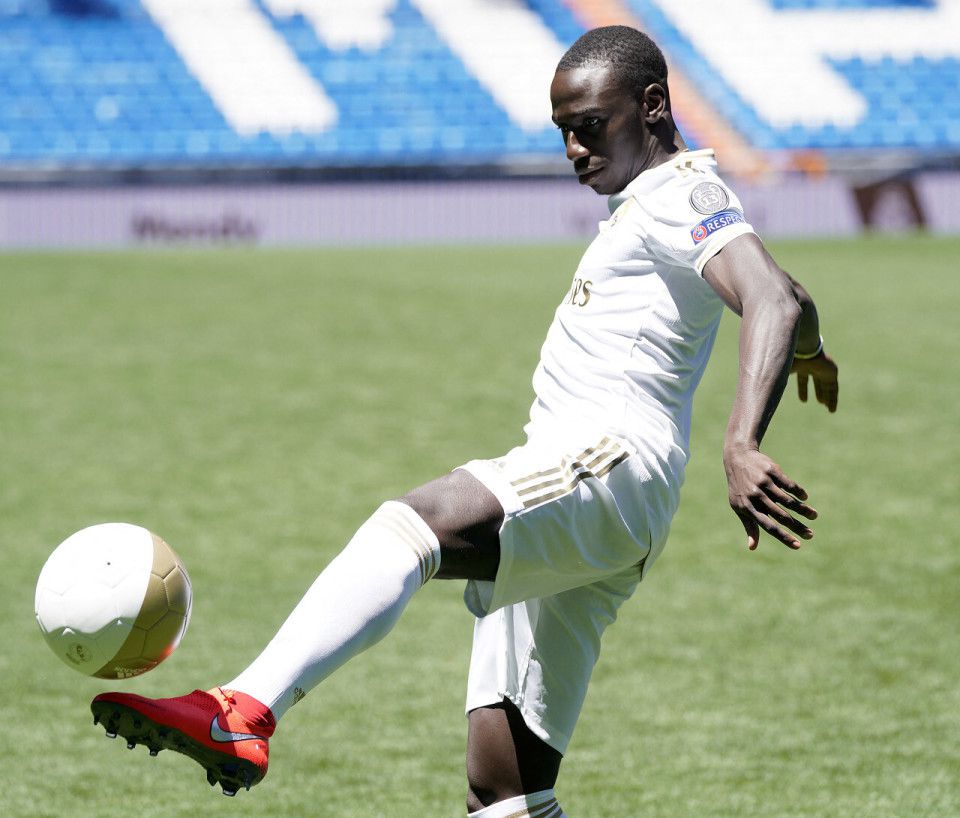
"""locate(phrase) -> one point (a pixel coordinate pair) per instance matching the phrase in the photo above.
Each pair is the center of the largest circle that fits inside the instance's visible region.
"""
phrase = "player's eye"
(591, 123)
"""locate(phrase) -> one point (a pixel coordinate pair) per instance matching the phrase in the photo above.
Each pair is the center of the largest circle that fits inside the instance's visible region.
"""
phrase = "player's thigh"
(466, 518)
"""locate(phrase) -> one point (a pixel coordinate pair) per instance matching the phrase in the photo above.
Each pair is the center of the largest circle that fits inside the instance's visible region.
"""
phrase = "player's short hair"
(637, 61)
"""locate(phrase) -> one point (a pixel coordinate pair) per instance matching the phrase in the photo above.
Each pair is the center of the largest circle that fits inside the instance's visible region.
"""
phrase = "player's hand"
(763, 497)
(823, 371)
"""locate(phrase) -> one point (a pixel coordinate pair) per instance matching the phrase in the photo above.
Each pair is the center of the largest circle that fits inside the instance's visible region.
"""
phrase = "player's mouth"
(587, 175)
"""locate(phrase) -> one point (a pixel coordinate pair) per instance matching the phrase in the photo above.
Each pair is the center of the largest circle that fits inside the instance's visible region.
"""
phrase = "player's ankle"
(255, 713)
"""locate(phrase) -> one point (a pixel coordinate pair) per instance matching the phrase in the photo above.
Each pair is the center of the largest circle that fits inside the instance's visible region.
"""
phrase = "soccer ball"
(113, 600)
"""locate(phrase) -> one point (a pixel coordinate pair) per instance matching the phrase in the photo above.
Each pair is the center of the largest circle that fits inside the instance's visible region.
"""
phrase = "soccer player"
(556, 534)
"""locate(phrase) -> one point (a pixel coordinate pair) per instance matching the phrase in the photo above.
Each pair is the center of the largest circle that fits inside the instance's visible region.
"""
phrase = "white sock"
(541, 804)
(352, 605)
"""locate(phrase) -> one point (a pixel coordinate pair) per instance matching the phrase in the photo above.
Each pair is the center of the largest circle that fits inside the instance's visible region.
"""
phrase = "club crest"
(708, 198)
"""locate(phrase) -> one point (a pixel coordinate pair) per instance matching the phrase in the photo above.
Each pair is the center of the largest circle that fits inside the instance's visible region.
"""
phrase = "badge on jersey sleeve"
(712, 224)
(708, 198)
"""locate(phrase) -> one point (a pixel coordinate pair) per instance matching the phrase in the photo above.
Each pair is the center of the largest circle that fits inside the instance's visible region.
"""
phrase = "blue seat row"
(96, 81)
(911, 102)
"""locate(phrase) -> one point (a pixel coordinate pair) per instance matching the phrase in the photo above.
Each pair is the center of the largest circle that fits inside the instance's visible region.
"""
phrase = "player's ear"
(654, 103)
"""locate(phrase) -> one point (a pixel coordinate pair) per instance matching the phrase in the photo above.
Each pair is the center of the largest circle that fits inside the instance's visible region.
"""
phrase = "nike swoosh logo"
(217, 733)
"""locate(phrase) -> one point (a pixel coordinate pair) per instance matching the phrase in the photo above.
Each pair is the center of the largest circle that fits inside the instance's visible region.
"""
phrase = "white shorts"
(580, 530)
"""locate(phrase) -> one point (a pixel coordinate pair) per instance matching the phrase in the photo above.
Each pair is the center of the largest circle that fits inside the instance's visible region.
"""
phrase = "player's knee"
(474, 802)
(492, 783)
(486, 790)
(458, 508)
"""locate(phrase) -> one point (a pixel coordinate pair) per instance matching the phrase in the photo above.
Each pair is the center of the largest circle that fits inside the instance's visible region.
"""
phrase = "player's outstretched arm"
(774, 312)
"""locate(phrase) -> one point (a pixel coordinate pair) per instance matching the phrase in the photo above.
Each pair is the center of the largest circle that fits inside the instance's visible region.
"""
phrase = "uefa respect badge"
(713, 223)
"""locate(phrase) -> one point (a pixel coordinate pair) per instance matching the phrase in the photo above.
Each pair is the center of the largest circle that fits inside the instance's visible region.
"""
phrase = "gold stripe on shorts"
(567, 476)
(569, 468)
(577, 477)
(595, 461)
(556, 469)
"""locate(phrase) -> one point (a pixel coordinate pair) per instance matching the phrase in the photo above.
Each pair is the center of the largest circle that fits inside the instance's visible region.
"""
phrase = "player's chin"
(593, 179)
(599, 182)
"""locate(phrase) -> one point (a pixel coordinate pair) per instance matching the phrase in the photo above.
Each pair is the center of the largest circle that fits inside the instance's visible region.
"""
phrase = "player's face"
(602, 126)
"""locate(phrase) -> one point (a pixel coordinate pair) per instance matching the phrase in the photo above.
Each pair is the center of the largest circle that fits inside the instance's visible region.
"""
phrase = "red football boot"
(224, 731)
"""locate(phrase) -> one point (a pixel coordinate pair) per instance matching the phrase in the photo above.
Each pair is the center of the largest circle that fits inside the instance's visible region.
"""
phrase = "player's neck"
(659, 153)
(666, 143)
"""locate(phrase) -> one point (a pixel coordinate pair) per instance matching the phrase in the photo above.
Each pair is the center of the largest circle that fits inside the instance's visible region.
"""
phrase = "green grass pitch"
(254, 406)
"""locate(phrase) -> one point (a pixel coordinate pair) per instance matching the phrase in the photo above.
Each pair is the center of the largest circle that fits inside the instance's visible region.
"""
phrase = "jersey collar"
(650, 179)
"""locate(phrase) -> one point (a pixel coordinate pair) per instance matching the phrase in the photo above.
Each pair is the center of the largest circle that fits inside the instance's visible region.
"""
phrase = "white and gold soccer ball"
(113, 600)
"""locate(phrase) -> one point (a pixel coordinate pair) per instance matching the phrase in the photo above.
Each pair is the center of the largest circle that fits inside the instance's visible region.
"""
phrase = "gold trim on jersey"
(685, 159)
(549, 484)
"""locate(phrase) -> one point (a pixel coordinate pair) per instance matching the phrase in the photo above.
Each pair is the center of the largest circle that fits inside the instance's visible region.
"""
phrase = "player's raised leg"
(448, 526)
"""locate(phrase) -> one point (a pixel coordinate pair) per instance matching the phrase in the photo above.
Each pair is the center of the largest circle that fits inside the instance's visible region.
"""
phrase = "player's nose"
(575, 149)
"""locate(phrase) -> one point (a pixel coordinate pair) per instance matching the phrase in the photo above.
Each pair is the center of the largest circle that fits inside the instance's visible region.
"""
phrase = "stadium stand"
(387, 83)
(169, 121)
(116, 81)
(824, 74)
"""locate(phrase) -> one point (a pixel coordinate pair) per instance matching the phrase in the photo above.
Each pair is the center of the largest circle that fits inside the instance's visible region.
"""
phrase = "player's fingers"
(833, 396)
(768, 525)
(819, 390)
(827, 393)
(802, 386)
(781, 480)
(751, 527)
(792, 503)
(766, 507)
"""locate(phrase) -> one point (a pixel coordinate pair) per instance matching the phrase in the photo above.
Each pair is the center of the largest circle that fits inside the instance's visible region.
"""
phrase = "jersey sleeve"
(691, 219)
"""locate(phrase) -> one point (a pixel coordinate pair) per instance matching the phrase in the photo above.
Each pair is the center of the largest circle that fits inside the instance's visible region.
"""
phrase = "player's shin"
(353, 604)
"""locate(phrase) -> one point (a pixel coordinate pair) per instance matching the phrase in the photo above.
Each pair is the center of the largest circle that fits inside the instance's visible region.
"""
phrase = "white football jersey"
(630, 342)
